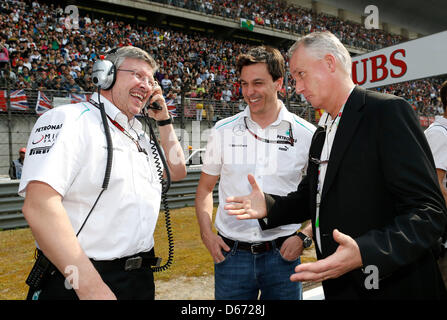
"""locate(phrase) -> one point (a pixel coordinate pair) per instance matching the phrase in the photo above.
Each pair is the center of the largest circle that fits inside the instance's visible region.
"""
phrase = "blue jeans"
(242, 275)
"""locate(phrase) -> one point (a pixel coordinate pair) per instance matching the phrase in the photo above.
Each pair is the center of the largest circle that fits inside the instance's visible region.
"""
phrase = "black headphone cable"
(106, 180)
(157, 154)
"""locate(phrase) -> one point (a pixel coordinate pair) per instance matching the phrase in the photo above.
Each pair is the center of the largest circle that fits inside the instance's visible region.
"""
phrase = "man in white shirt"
(226, 94)
(35, 56)
(166, 84)
(267, 140)
(62, 183)
(437, 139)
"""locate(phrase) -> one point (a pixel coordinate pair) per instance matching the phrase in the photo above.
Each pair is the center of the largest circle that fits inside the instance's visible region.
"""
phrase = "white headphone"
(104, 72)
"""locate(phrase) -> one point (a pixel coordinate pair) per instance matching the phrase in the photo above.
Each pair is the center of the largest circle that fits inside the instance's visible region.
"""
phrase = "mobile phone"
(155, 106)
(40, 272)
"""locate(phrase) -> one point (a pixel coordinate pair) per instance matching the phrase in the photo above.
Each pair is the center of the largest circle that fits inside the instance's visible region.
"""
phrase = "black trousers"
(136, 284)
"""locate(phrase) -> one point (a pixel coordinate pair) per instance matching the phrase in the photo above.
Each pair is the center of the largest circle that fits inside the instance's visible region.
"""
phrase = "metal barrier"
(16, 121)
(181, 194)
(11, 206)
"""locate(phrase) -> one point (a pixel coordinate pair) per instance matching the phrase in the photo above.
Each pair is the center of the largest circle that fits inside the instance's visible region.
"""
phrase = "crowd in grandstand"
(43, 53)
(289, 17)
(423, 94)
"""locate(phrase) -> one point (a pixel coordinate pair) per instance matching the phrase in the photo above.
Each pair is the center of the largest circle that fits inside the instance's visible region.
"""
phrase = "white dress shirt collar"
(282, 116)
(117, 115)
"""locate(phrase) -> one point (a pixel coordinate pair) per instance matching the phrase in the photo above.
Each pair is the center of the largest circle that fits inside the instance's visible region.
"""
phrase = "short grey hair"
(322, 43)
(117, 56)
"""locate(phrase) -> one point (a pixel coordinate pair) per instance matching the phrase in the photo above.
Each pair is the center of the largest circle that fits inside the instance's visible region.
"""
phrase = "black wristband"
(301, 235)
(307, 241)
(165, 122)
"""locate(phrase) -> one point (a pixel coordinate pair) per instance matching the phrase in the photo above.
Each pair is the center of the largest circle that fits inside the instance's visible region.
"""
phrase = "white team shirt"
(436, 135)
(233, 152)
(67, 149)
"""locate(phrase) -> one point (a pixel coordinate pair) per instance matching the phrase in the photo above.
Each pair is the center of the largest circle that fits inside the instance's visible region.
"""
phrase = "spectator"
(28, 64)
(166, 84)
(209, 109)
(72, 86)
(199, 110)
(15, 169)
(4, 54)
(35, 56)
(26, 75)
(57, 82)
(227, 94)
(201, 91)
(226, 99)
(7, 76)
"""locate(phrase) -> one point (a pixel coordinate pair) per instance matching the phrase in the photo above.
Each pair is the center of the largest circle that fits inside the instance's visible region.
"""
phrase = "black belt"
(256, 247)
(136, 261)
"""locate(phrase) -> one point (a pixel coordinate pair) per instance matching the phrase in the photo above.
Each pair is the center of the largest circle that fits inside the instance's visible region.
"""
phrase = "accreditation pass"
(227, 309)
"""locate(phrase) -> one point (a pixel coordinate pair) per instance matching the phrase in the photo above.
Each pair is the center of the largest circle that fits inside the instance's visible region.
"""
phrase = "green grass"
(16, 260)
(191, 258)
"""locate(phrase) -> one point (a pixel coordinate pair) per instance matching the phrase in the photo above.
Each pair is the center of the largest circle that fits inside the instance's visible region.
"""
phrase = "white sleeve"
(54, 151)
(212, 162)
(438, 145)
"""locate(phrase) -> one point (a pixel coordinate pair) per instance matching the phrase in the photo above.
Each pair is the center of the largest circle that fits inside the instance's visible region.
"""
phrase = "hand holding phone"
(155, 105)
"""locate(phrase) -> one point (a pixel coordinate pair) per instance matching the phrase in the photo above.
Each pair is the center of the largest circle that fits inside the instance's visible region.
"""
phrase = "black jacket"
(382, 190)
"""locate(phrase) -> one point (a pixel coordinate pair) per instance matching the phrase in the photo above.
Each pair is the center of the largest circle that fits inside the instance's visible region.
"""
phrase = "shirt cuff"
(269, 202)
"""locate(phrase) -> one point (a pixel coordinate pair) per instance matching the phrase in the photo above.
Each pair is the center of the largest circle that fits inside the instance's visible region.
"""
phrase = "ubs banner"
(416, 59)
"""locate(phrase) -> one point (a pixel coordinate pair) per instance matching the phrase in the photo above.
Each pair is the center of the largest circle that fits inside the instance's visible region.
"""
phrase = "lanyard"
(320, 168)
(120, 128)
(290, 141)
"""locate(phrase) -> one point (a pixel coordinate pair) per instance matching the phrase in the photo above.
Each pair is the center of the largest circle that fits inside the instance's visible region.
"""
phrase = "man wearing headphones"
(109, 255)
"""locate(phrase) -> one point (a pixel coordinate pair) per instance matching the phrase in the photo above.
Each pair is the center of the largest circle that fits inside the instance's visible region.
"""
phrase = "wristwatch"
(165, 122)
(307, 241)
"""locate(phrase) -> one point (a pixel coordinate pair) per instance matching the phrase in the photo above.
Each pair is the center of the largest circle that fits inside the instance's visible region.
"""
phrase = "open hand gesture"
(251, 206)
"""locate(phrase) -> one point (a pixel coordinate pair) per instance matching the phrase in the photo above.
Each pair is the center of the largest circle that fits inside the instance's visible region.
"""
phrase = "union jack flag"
(3, 105)
(78, 97)
(171, 107)
(43, 104)
(17, 98)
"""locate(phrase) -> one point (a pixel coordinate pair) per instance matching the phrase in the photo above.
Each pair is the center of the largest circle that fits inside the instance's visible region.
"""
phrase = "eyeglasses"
(140, 77)
(290, 141)
(318, 161)
(319, 134)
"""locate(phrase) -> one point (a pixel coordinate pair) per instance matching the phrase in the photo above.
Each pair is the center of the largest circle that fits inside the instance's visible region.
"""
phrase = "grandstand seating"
(45, 55)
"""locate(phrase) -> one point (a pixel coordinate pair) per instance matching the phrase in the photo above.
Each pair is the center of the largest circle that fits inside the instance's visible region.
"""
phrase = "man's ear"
(330, 61)
(278, 84)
